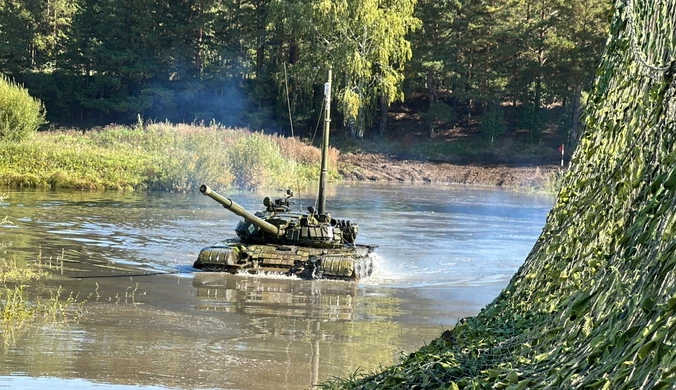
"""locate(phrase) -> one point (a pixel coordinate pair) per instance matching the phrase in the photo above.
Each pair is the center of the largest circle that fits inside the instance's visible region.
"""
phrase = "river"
(152, 321)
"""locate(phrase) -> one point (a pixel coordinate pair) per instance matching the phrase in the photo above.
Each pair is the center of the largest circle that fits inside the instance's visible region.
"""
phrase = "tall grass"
(160, 156)
(18, 307)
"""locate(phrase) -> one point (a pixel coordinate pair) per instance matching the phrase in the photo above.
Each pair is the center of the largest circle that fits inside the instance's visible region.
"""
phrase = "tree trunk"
(573, 136)
(384, 109)
(198, 59)
(261, 38)
(293, 51)
(351, 124)
(432, 95)
(356, 125)
(238, 26)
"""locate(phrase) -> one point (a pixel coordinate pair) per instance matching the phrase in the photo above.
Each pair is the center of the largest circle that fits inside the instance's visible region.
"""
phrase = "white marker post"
(561, 148)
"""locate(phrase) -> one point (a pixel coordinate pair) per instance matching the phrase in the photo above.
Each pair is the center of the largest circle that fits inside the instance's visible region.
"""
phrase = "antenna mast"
(321, 198)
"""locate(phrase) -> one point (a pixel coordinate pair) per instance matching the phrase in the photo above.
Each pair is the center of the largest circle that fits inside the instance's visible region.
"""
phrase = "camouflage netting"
(594, 305)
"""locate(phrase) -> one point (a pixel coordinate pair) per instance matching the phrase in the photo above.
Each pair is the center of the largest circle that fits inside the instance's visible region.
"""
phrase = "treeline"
(101, 61)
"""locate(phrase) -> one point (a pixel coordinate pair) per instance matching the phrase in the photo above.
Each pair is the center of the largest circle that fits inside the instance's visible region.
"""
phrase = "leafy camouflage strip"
(594, 305)
(653, 32)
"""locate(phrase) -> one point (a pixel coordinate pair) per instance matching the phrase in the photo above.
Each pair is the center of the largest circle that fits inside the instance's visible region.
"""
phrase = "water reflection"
(315, 301)
(324, 300)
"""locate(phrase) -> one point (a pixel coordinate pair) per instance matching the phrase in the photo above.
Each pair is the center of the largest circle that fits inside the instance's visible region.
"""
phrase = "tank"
(310, 245)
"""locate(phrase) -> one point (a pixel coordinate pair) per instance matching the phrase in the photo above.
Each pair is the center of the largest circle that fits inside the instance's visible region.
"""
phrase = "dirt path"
(378, 167)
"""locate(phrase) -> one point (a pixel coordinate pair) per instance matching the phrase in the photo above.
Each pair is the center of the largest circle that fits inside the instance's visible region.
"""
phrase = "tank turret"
(277, 224)
(309, 244)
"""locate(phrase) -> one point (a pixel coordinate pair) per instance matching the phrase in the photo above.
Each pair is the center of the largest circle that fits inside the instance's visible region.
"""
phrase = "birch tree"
(365, 43)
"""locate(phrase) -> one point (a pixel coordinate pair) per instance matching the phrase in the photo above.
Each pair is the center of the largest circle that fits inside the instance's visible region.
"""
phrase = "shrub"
(257, 162)
(20, 113)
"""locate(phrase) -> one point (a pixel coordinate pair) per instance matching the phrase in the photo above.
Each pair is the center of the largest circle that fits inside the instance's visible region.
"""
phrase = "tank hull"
(350, 262)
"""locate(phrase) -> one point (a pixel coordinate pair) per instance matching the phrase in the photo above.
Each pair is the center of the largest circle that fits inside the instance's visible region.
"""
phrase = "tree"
(584, 30)
(546, 46)
(439, 112)
(365, 44)
(34, 33)
(17, 34)
(493, 123)
(429, 68)
(224, 59)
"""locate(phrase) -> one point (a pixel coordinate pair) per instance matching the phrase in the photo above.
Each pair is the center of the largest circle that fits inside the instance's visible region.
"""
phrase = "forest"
(234, 62)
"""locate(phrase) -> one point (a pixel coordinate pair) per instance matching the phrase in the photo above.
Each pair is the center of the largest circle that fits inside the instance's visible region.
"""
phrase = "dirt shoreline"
(379, 167)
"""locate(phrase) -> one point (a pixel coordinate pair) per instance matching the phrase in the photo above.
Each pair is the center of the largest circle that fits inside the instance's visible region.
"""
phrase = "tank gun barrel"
(239, 210)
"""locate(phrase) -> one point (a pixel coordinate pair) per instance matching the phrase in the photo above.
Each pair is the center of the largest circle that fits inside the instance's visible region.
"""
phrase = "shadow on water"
(443, 253)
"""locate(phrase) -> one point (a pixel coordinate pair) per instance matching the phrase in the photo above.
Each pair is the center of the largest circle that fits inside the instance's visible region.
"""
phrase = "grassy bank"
(159, 156)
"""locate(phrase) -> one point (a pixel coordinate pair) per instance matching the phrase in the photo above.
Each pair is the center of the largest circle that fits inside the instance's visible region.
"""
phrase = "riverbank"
(381, 167)
(178, 157)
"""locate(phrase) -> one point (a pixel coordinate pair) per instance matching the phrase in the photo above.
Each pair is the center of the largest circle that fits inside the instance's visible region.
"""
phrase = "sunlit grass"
(21, 303)
(160, 156)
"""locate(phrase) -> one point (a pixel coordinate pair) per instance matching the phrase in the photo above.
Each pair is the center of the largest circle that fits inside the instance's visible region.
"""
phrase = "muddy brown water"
(154, 322)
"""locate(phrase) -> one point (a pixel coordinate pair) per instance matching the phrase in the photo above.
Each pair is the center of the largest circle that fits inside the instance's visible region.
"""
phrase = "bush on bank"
(160, 156)
(20, 113)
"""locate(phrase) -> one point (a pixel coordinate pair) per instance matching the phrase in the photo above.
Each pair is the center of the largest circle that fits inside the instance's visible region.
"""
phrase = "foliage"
(593, 306)
(533, 119)
(159, 156)
(430, 65)
(365, 44)
(20, 113)
(530, 53)
(11, 272)
(256, 161)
